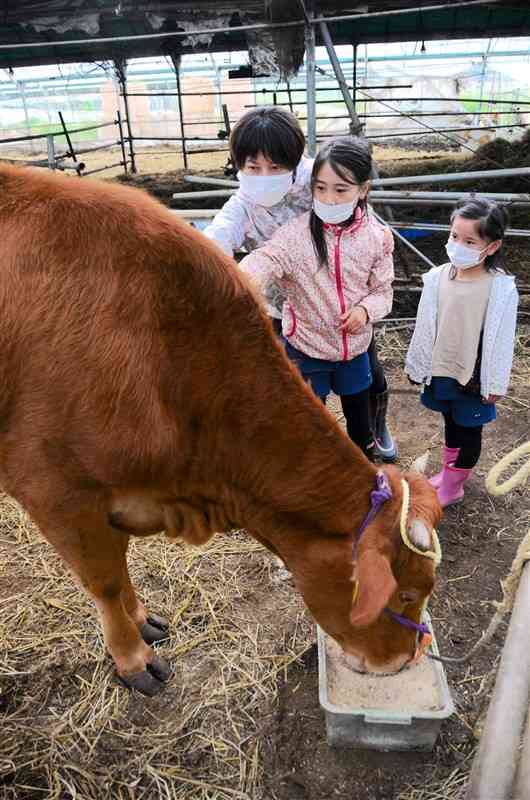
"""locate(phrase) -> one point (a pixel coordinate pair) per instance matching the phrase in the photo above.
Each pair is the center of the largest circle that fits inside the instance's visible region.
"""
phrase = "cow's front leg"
(97, 558)
(153, 628)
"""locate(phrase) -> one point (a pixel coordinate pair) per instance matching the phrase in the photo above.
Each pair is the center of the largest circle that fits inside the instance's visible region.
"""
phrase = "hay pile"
(69, 730)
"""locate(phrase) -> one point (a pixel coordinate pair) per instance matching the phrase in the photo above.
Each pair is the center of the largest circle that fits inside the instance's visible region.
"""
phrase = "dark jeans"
(468, 439)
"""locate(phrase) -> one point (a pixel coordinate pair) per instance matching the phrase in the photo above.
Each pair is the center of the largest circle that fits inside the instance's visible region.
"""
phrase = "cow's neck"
(289, 463)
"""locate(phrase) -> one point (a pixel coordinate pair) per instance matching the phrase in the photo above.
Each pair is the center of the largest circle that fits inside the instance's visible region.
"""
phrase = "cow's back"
(108, 307)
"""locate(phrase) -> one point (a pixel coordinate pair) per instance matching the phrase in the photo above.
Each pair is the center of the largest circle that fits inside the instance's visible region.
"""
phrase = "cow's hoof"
(151, 680)
(156, 629)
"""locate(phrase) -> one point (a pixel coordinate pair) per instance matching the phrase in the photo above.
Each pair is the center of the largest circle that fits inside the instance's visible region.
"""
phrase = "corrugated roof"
(35, 32)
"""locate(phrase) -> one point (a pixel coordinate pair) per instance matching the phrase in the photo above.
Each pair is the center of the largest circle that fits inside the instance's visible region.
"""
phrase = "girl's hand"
(353, 320)
(491, 398)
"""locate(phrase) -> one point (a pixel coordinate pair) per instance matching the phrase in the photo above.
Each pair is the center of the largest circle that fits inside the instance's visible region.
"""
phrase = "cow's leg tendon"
(96, 556)
(153, 628)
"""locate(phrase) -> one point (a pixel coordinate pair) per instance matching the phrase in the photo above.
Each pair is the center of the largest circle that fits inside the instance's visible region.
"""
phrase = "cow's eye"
(409, 595)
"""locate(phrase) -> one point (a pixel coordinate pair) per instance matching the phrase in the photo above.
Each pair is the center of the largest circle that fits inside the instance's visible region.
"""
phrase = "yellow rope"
(511, 582)
(517, 479)
(436, 553)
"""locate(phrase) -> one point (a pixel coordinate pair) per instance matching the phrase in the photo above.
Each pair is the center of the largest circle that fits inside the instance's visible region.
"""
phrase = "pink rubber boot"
(451, 489)
(449, 456)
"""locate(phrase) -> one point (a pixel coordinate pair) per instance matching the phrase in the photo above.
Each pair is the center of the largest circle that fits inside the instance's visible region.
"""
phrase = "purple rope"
(378, 497)
(408, 623)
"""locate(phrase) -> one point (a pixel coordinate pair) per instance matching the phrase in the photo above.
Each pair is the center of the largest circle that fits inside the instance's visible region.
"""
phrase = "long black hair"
(350, 158)
(492, 222)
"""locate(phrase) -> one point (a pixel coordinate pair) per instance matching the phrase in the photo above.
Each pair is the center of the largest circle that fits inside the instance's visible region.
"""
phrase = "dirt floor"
(240, 717)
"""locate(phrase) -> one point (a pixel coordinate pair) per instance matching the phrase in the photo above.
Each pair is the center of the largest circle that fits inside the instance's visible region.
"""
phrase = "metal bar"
(494, 765)
(209, 213)
(122, 140)
(226, 118)
(263, 91)
(88, 150)
(172, 138)
(500, 197)
(50, 144)
(440, 201)
(120, 68)
(434, 131)
(71, 150)
(383, 100)
(54, 133)
(211, 181)
(355, 125)
(176, 63)
(311, 85)
(449, 177)
(236, 28)
(435, 227)
(100, 169)
(405, 241)
(202, 195)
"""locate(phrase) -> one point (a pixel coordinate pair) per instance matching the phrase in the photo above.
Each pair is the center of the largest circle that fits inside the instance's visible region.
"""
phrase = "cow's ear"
(375, 585)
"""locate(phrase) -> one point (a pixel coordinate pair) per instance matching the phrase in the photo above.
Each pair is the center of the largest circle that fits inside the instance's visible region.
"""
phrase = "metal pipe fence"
(56, 161)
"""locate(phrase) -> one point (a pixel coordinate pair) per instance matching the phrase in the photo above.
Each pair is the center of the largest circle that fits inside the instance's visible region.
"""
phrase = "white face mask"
(265, 190)
(334, 214)
(461, 256)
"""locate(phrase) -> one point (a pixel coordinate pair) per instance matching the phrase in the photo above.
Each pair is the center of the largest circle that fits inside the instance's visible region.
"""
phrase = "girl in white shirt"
(462, 346)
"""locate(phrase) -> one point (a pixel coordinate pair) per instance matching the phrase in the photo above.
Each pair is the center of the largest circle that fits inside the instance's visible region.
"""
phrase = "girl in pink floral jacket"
(335, 267)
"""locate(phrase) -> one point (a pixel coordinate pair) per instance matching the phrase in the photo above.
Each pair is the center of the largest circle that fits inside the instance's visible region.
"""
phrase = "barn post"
(310, 67)
(495, 763)
(50, 144)
(175, 58)
(120, 68)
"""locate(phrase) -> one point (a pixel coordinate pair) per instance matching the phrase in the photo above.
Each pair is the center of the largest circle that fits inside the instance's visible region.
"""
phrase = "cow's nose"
(355, 662)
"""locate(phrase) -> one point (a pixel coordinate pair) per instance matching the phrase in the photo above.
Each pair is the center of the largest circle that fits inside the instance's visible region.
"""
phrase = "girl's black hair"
(492, 222)
(272, 131)
(350, 158)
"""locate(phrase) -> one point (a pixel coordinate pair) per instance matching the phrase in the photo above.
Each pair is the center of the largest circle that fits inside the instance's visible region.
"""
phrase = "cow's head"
(350, 588)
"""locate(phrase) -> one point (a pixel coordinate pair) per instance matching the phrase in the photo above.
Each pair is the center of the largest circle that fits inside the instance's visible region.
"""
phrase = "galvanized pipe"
(405, 241)
(355, 125)
(311, 87)
(500, 197)
(202, 195)
(494, 766)
(449, 177)
(211, 181)
(209, 213)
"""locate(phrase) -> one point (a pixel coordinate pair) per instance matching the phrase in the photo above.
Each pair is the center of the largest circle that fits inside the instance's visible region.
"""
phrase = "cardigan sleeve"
(271, 262)
(504, 347)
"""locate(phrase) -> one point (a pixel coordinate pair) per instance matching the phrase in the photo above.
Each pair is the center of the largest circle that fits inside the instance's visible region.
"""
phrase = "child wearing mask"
(267, 147)
(462, 346)
(334, 266)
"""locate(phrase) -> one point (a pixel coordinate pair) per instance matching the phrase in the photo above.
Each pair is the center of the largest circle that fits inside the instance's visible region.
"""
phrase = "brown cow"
(142, 390)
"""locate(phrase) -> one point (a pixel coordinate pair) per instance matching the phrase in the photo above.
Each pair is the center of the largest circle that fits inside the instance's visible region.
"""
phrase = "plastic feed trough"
(394, 712)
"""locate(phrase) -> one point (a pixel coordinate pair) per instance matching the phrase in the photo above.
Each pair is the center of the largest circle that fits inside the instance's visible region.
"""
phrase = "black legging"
(378, 374)
(356, 408)
(469, 440)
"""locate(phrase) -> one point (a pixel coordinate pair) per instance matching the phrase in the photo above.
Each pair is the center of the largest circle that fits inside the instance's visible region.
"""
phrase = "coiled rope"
(511, 582)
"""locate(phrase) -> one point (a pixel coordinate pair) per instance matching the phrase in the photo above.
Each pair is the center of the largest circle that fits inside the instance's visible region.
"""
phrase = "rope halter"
(378, 497)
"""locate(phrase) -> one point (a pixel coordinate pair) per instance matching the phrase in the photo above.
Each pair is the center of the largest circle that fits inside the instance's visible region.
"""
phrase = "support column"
(176, 64)
(310, 67)
(120, 68)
